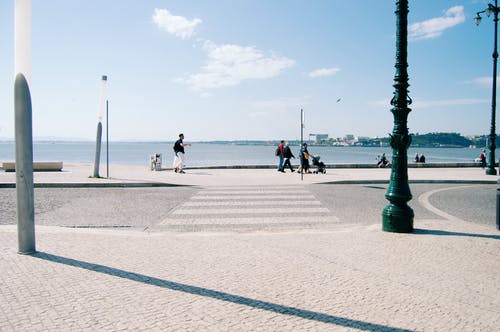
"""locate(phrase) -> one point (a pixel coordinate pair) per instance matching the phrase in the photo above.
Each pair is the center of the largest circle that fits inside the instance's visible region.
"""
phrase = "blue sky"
(243, 69)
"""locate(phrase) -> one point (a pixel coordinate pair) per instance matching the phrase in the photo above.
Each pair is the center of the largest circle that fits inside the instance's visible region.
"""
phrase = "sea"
(219, 154)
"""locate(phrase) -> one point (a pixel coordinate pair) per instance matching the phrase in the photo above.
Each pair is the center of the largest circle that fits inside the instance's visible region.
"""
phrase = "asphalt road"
(143, 208)
(364, 203)
(97, 207)
(471, 203)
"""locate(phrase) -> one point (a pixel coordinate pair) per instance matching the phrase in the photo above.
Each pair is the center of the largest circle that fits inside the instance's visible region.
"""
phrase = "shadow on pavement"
(446, 233)
(258, 304)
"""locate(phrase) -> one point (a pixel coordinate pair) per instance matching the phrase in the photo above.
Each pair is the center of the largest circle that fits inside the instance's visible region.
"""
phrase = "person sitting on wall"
(383, 161)
(482, 159)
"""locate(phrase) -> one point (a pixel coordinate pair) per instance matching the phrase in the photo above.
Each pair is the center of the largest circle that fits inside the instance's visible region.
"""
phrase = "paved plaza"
(250, 250)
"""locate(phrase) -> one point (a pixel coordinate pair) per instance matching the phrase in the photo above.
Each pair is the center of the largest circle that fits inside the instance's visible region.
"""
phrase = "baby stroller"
(320, 166)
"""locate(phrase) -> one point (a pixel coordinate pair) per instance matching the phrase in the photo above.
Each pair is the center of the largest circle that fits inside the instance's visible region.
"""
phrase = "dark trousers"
(287, 162)
(305, 164)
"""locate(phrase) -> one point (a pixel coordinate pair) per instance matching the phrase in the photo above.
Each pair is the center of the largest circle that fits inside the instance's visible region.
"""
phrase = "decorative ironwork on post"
(398, 216)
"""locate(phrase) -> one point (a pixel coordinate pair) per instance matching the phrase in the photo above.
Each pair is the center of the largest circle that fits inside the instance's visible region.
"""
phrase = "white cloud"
(323, 72)
(228, 65)
(447, 102)
(434, 27)
(485, 81)
(176, 25)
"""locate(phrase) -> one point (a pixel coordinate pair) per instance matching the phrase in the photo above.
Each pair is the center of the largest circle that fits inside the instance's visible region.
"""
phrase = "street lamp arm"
(478, 18)
(490, 9)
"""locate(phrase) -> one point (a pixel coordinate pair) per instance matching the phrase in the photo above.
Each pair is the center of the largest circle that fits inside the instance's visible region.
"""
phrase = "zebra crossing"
(250, 208)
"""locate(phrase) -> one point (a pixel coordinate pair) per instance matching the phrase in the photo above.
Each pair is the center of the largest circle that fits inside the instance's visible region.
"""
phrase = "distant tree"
(441, 140)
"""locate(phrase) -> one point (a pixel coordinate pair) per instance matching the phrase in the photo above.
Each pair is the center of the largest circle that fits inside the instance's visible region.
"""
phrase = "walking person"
(179, 154)
(304, 158)
(280, 152)
(287, 153)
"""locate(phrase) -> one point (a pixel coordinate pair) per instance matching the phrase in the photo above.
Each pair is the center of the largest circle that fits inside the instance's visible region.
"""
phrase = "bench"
(38, 166)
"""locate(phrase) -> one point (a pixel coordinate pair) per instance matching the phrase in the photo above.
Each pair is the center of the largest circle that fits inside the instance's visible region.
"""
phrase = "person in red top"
(281, 155)
(482, 159)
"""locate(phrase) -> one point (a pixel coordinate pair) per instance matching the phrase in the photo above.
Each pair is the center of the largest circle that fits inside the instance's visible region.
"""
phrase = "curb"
(412, 182)
(340, 165)
(166, 185)
(100, 185)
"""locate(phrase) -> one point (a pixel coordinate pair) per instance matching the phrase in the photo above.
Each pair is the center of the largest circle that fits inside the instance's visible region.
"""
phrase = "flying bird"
(338, 100)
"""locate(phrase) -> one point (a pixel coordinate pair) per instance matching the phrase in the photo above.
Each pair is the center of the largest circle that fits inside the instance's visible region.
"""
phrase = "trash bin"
(155, 162)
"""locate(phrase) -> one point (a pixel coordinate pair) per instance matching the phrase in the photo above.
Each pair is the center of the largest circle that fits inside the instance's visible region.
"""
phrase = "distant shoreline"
(242, 143)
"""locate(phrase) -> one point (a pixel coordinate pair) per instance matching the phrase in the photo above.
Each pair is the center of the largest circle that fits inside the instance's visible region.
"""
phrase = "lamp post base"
(397, 219)
(491, 171)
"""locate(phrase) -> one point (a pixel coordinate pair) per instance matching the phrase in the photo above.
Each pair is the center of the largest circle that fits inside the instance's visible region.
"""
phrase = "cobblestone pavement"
(318, 262)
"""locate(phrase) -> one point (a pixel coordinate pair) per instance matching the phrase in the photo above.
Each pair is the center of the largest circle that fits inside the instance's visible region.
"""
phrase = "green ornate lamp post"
(398, 216)
(490, 170)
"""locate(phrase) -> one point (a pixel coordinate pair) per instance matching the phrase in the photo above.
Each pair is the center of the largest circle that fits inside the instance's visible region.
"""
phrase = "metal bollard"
(498, 209)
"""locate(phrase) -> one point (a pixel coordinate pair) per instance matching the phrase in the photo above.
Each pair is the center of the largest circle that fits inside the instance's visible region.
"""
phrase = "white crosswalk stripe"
(250, 203)
(254, 197)
(254, 192)
(254, 211)
(252, 208)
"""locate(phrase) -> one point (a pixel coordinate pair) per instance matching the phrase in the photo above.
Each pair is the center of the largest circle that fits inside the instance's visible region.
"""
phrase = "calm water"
(207, 154)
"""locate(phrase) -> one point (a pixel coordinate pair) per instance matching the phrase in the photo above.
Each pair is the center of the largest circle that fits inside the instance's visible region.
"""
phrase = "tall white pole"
(23, 128)
(22, 38)
(102, 97)
(107, 139)
(301, 141)
(99, 127)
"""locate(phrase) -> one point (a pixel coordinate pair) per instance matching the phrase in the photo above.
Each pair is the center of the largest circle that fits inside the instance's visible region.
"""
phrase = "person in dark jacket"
(287, 153)
(383, 162)
(179, 154)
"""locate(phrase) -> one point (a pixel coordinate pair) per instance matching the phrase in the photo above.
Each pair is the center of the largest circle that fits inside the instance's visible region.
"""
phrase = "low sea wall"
(343, 165)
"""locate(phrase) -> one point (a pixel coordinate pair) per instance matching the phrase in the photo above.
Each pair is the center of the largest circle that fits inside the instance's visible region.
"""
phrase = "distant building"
(321, 137)
(350, 139)
(318, 138)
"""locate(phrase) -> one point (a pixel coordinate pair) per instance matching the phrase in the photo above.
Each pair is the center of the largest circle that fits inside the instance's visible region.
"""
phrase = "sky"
(243, 69)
